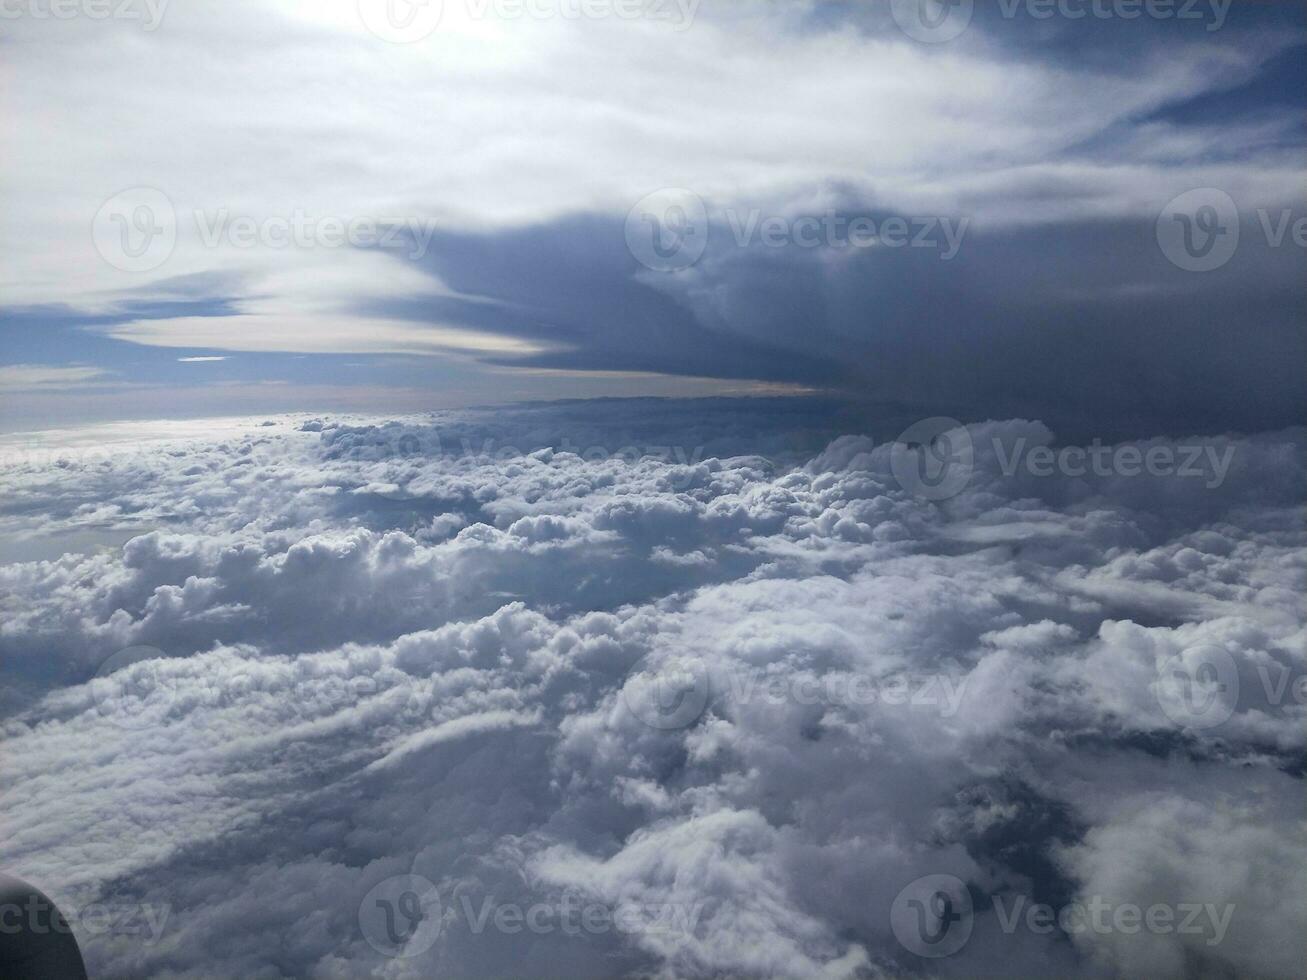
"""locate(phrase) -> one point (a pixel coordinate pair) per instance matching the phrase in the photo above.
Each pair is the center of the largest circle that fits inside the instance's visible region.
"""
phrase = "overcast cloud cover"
(425, 647)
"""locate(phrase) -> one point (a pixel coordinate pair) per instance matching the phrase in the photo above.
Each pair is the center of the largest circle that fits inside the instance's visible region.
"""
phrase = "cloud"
(260, 332)
(37, 377)
(429, 646)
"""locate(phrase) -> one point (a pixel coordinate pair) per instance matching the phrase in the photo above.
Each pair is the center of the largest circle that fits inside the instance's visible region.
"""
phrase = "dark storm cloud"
(1086, 325)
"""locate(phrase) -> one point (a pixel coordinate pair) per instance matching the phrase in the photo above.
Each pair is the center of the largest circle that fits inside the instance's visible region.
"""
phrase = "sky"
(280, 206)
